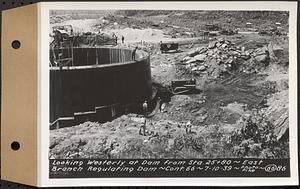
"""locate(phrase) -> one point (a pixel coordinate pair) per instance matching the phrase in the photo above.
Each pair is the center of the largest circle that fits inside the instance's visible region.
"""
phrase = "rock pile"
(118, 21)
(278, 114)
(59, 18)
(224, 56)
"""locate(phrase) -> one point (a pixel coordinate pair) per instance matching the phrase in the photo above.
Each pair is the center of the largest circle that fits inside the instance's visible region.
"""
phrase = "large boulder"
(187, 58)
(201, 68)
(278, 113)
(275, 51)
(281, 125)
(193, 53)
(196, 51)
(212, 44)
(200, 57)
(261, 57)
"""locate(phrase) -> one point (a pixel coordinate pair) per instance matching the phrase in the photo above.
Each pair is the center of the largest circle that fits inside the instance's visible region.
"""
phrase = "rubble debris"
(197, 51)
(211, 27)
(282, 126)
(228, 31)
(59, 18)
(202, 118)
(248, 24)
(224, 56)
(197, 58)
(278, 114)
(272, 31)
(213, 33)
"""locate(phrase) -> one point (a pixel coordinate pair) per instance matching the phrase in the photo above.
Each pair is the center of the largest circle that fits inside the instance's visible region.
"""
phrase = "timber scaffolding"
(98, 84)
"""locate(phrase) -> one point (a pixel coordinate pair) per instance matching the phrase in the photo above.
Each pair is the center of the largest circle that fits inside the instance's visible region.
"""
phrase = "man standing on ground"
(143, 127)
(114, 36)
(133, 53)
(145, 108)
(122, 39)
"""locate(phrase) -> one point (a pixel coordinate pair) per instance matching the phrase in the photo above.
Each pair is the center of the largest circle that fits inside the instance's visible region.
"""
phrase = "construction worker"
(115, 37)
(143, 127)
(133, 53)
(159, 103)
(188, 127)
(142, 130)
(145, 108)
(122, 39)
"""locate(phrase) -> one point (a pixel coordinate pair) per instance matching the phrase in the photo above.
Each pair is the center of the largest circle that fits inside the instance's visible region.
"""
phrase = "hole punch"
(16, 44)
(15, 145)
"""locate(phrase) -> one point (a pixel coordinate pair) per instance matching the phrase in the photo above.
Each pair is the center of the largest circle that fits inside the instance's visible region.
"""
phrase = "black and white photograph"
(150, 94)
(169, 84)
(179, 88)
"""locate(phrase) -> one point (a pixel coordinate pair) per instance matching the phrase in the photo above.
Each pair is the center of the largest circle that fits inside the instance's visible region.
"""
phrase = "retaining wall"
(100, 83)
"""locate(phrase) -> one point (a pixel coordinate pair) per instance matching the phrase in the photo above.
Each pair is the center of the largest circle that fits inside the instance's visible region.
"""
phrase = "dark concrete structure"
(98, 85)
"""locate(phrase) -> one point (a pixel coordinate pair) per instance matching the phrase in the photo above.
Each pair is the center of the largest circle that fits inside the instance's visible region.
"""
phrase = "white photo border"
(43, 93)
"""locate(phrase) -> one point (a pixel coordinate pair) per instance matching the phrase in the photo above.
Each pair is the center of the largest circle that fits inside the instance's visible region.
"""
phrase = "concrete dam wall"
(98, 85)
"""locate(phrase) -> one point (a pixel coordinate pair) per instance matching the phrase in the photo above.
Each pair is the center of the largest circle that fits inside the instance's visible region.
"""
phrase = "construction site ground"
(241, 109)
